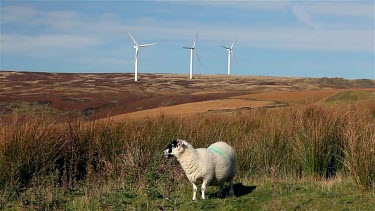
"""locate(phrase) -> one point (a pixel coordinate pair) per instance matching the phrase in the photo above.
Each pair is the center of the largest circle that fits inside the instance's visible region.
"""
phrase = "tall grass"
(296, 142)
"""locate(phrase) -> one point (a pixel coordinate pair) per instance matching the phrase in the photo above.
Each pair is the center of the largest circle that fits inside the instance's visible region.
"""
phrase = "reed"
(296, 142)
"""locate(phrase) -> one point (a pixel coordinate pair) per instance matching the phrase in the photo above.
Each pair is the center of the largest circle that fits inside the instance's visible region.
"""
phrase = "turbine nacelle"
(229, 48)
(137, 45)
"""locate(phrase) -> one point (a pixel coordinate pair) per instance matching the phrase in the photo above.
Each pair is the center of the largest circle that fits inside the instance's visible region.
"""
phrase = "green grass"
(263, 194)
(350, 96)
(29, 107)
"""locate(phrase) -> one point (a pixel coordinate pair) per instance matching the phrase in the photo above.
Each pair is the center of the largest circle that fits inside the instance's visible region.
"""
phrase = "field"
(102, 95)
(94, 141)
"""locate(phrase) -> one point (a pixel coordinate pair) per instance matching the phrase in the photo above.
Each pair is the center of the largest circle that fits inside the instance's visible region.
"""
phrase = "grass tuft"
(47, 164)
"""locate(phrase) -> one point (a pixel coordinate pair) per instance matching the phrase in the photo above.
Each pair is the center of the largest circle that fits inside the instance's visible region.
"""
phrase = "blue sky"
(273, 38)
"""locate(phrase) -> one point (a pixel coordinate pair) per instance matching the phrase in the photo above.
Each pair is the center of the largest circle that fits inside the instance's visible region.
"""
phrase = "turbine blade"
(195, 40)
(231, 47)
(231, 52)
(200, 63)
(225, 47)
(187, 48)
(135, 42)
(144, 45)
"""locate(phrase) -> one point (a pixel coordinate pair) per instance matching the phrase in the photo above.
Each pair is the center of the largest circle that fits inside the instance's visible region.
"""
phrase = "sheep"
(212, 166)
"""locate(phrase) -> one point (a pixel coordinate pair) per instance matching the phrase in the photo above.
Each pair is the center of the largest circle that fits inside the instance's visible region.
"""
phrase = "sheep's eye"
(172, 145)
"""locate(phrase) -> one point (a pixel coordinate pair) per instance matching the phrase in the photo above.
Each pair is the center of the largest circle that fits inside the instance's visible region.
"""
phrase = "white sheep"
(210, 167)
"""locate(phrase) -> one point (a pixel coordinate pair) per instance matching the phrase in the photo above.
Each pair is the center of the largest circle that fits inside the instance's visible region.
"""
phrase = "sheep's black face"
(168, 150)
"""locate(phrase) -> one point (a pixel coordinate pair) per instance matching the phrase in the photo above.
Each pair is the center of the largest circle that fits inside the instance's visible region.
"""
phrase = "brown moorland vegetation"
(116, 93)
(116, 163)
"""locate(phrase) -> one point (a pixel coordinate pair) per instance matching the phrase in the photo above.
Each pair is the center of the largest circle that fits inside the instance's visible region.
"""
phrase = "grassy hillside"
(351, 96)
(308, 155)
(107, 94)
(297, 157)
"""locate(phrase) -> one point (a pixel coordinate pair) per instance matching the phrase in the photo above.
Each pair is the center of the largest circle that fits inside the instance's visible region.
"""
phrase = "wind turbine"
(230, 53)
(136, 46)
(192, 49)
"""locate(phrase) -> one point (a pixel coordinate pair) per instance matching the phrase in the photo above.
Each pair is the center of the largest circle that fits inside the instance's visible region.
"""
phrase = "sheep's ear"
(180, 143)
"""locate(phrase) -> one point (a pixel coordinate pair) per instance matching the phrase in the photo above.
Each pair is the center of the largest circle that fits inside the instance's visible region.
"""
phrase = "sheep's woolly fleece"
(210, 167)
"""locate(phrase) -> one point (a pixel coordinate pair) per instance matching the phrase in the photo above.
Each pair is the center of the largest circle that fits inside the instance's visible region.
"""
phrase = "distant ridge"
(98, 95)
(365, 82)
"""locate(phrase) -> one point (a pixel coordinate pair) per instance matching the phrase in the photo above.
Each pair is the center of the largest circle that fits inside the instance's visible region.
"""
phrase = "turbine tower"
(230, 53)
(136, 46)
(192, 49)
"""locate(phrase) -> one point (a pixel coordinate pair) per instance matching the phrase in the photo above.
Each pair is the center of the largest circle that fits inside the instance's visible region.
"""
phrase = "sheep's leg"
(220, 193)
(204, 185)
(195, 190)
(231, 192)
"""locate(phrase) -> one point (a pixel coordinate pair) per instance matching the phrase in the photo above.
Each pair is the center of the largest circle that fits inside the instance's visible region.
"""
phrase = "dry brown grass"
(44, 160)
(195, 108)
(297, 141)
(41, 153)
(298, 97)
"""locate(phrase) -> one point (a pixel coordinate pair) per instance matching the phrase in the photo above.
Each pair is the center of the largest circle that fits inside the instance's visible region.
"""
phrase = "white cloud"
(333, 15)
(62, 20)
(328, 40)
(24, 44)
(245, 4)
(296, 38)
(303, 16)
(17, 13)
(336, 35)
(104, 61)
(346, 8)
(73, 30)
